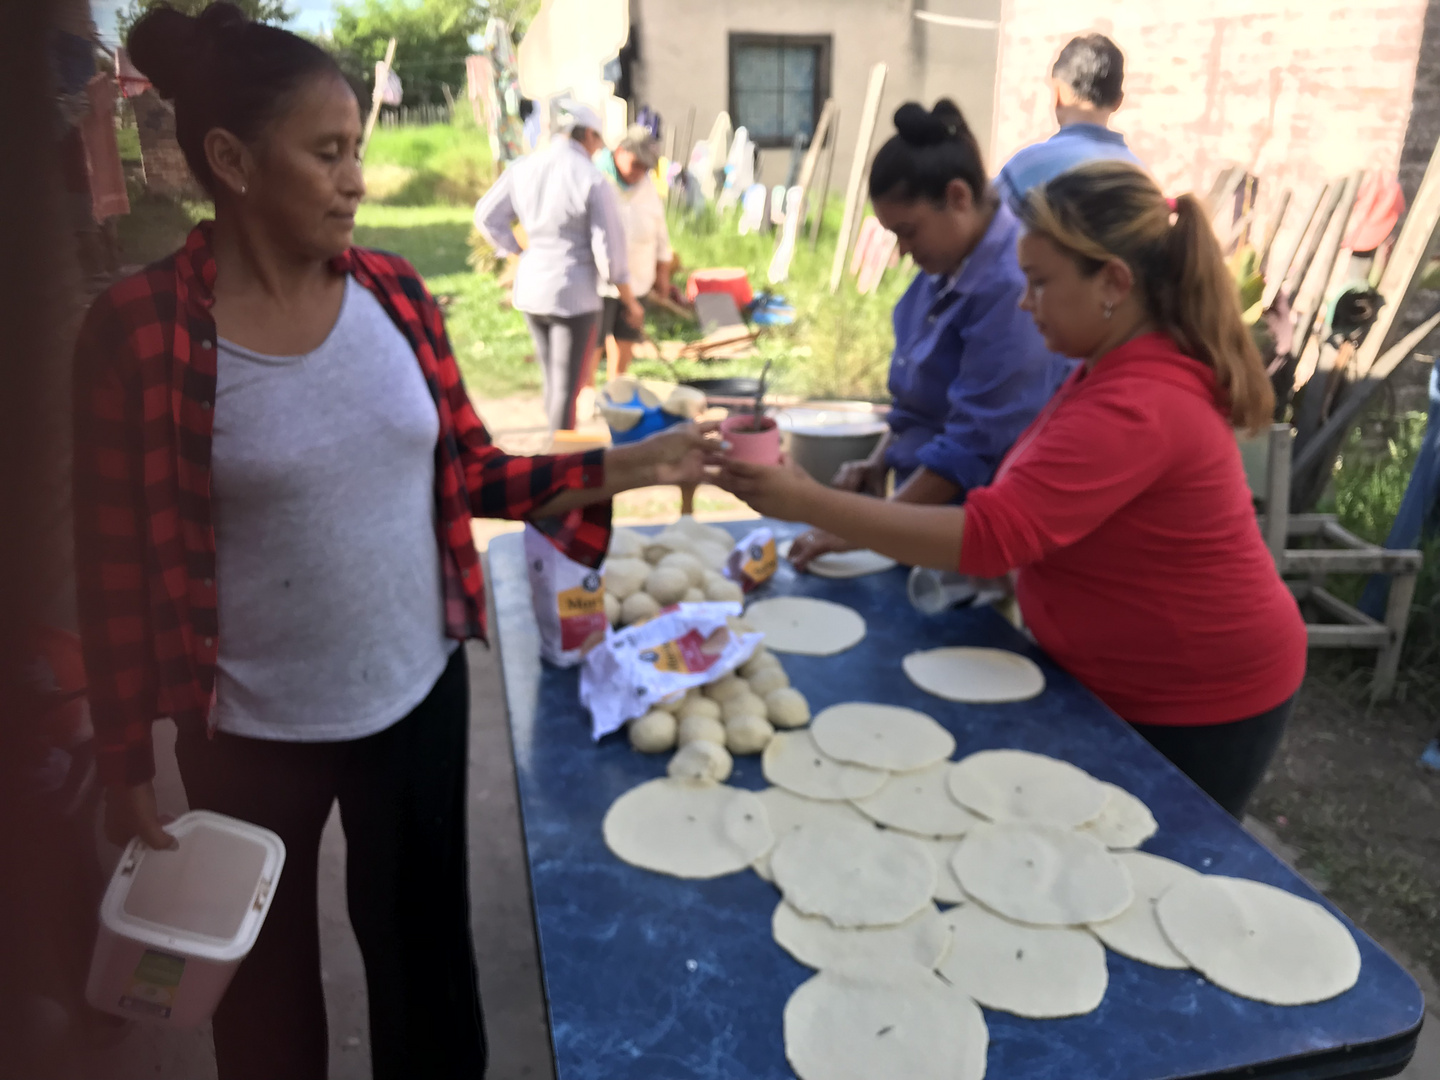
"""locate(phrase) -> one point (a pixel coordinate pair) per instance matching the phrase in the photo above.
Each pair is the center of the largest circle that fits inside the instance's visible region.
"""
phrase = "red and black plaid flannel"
(145, 542)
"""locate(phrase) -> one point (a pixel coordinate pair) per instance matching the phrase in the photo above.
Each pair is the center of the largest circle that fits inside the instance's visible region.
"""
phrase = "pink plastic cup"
(757, 447)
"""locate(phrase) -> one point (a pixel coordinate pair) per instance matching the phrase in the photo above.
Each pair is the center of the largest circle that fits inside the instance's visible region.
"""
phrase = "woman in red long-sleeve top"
(1123, 509)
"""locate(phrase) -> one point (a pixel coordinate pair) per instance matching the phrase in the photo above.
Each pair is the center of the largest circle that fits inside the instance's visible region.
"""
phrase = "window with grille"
(778, 85)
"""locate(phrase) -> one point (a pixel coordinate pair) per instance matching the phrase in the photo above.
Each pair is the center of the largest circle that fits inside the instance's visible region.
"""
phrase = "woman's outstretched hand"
(678, 455)
(776, 491)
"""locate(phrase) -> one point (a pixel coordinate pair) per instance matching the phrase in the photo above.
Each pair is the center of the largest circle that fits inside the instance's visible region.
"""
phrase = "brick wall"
(1299, 91)
(165, 170)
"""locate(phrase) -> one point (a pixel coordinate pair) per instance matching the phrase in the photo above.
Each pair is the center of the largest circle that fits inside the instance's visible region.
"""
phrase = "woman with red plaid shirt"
(276, 470)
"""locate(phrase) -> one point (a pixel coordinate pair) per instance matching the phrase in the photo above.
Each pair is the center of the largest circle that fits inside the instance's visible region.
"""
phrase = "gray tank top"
(329, 584)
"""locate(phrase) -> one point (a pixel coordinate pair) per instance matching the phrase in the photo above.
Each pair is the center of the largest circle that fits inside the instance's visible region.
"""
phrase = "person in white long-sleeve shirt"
(571, 217)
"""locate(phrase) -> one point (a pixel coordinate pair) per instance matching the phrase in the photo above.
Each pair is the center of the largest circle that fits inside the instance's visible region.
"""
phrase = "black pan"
(738, 387)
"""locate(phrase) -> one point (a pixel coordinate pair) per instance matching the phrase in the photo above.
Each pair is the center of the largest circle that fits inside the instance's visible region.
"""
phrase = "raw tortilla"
(789, 811)
(799, 624)
(920, 941)
(1042, 874)
(919, 802)
(1258, 941)
(853, 875)
(1136, 932)
(844, 564)
(793, 761)
(881, 736)
(1124, 822)
(947, 885)
(1041, 972)
(1016, 785)
(687, 829)
(842, 1026)
(981, 676)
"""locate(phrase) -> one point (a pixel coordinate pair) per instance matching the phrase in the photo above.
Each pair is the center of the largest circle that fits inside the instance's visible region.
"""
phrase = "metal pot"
(821, 439)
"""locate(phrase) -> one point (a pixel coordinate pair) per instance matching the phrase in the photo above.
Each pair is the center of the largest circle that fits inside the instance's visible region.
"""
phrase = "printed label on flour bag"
(152, 987)
(754, 560)
(569, 601)
(688, 654)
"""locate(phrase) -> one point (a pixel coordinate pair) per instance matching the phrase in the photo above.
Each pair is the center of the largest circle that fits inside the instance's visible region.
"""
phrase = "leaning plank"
(1322, 226)
(1273, 282)
(1360, 393)
(1413, 249)
(1272, 229)
(823, 191)
(859, 169)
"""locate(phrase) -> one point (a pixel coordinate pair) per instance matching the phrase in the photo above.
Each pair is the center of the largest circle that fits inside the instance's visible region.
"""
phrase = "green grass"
(156, 226)
(488, 336)
(128, 141)
(419, 166)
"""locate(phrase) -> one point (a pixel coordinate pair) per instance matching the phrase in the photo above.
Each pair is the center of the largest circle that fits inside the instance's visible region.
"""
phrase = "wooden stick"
(832, 140)
(812, 153)
(1322, 225)
(859, 168)
(380, 77)
(1314, 312)
(1271, 231)
(1273, 283)
(1413, 250)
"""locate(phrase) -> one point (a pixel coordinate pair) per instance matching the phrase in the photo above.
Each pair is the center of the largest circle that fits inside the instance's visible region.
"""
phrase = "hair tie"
(1170, 202)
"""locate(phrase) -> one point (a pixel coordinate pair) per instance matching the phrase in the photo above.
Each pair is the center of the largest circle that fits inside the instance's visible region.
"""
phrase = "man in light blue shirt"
(1088, 81)
(576, 239)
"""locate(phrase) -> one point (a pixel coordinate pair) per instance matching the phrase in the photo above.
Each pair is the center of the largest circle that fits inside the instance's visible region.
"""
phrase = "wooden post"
(1397, 619)
(375, 97)
(1274, 282)
(1271, 231)
(859, 169)
(832, 141)
(1277, 492)
(1413, 250)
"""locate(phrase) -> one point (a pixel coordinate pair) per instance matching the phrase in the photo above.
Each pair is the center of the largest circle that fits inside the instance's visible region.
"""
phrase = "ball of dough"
(705, 761)
(625, 544)
(638, 608)
(725, 592)
(787, 708)
(763, 658)
(748, 734)
(666, 584)
(679, 560)
(625, 577)
(695, 727)
(744, 704)
(712, 577)
(713, 556)
(726, 687)
(671, 703)
(612, 609)
(693, 596)
(667, 542)
(654, 733)
(768, 679)
(701, 707)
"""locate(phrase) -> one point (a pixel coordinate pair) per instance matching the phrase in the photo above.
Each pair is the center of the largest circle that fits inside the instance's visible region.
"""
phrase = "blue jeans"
(1416, 517)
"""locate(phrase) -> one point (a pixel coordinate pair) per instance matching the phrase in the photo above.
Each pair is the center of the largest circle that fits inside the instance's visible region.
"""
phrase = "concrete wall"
(684, 59)
(1299, 91)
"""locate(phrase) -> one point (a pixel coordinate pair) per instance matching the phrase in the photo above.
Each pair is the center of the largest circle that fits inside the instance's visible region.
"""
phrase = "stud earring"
(1109, 310)
(244, 189)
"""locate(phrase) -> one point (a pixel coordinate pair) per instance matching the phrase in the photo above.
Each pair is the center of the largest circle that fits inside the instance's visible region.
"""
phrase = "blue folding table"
(650, 977)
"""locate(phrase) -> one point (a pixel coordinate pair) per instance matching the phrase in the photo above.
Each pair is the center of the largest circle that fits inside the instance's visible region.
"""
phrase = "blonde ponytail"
(1110, 210)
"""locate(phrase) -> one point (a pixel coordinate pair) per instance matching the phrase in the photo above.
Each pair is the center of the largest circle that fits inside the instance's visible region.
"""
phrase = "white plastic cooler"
(174, 925)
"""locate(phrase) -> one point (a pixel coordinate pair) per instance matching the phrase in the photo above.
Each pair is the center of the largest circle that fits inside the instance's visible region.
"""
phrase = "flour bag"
(569, 599)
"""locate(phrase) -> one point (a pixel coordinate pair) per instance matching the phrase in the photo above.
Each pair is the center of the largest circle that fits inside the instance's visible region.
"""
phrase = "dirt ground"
(1346, 793)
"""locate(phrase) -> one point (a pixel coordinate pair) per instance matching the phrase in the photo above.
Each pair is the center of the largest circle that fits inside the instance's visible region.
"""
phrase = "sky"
(312, 15)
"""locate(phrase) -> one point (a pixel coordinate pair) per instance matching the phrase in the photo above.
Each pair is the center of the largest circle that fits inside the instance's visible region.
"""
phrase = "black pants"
(402, 804)
(1227, 761)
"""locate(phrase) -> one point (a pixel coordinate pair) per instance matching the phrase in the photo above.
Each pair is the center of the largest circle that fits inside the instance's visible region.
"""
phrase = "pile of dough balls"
(736, 714)
(683, 564)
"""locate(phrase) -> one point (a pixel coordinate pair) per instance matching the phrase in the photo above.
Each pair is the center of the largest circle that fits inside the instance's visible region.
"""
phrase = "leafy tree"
(269, 11)
(431, 36)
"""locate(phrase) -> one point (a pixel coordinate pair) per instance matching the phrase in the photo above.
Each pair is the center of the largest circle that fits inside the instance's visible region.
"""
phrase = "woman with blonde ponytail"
(1123, 509)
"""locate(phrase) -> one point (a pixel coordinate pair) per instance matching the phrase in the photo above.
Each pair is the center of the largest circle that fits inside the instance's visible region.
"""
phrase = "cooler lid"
(206, 897)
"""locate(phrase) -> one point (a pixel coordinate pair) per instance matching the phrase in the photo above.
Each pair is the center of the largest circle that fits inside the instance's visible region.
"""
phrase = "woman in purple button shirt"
(970, 370)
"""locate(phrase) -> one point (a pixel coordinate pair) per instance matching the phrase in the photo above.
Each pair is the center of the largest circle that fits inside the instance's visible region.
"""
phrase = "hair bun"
(920, 126)
(168, 47)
